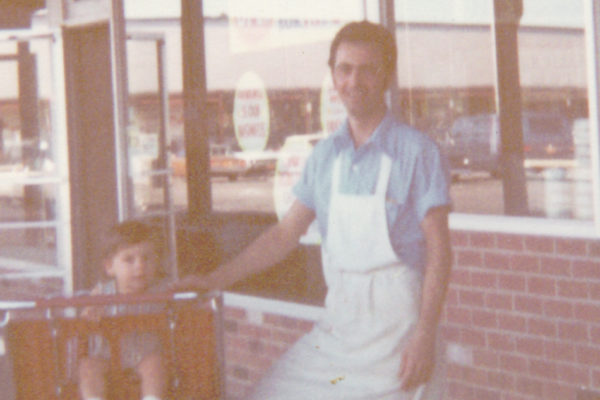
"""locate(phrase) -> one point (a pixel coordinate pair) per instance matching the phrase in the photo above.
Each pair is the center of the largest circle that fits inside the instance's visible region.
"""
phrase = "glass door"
(149, 180)
(34, 201)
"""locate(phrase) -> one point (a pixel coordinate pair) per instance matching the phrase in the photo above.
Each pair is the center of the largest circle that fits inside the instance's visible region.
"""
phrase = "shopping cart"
(44, 339)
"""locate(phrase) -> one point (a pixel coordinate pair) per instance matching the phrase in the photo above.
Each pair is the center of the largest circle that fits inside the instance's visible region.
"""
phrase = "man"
(380, 195)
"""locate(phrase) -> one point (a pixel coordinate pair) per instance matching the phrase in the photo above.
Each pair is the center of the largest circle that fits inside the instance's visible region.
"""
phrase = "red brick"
(284, 336)
(594, 290)
(589, 355)
(470, 297)
(573, 374)
(539, 244)
(460, 391)
(501, 380)
(483, 239)
(472, 337)
(460, 276)
(573, 331)
(530, 346)
(451, 334)
(595, 334)
(245, 329)
(459, 238)
(540, 285)
(513, 363)
(528, 304)
(594, 249)
(529, 386)
(234, 313)
(559, 351)
(512, 282)
(542, 327)
(596, 378)
(586, 269)
(557, 391)
(512, 322)
(555, 266)
(510, 242)
(281, 321)
(484, 319)
(500, 341)
(571, 246)
(588, 312)
(496, 260)
(572, 289)
(542, 369)
(458, 315)
(524, 263)
(487, 394)
(485, 358)
(484, 279)
(499, 301)
(476, 376)
(471, 258)
(558, 308)
(452, 296)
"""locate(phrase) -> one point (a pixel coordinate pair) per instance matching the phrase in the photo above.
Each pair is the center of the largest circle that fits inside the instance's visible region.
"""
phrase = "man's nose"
(140, 266)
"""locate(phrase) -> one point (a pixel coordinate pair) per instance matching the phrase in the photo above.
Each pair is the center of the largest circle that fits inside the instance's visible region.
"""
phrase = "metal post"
(194, 113)
(507, 14)
(388, 19)
(120, 94)
(592, 29)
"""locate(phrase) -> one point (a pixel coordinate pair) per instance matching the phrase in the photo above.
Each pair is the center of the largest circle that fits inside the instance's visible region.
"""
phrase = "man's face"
(359, 77)
(133, 267)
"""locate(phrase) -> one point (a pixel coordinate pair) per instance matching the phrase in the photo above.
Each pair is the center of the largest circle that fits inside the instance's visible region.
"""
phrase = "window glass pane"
(29, 178)
(448, 88)
(270, 97)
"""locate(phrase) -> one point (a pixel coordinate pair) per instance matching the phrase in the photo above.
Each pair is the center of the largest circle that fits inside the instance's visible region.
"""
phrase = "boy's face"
(134, 267)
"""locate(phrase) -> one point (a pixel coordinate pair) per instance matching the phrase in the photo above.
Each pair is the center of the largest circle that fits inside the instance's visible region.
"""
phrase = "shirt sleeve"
(432, 181)
(304, 189)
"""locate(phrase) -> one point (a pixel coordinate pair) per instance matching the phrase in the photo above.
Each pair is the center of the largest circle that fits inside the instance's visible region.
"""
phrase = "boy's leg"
(92, 375)
(154, 376)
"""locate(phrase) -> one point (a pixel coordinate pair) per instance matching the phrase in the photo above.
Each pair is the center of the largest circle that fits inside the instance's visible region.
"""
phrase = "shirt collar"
(343, 139)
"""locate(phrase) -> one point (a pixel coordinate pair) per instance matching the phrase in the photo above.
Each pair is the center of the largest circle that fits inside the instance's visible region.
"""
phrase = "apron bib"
(372, 305)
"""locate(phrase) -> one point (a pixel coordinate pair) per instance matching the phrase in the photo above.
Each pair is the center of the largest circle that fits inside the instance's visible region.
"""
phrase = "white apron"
(372, 304)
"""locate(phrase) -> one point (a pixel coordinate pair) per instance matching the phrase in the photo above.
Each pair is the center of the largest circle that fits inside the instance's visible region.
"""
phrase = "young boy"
(131, 263)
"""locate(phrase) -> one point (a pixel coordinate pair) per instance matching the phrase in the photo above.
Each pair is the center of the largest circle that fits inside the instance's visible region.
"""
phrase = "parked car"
(232, 164)
(473, 142)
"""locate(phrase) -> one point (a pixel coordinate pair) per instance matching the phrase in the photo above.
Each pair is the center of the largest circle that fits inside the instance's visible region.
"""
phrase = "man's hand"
(418, 360)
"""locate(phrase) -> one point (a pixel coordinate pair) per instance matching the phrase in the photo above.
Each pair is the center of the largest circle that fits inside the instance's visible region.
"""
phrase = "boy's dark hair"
(368, 32)
(126, 234)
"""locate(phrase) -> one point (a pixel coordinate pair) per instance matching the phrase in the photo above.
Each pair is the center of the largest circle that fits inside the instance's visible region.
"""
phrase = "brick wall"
(522, 322)
(523, 316)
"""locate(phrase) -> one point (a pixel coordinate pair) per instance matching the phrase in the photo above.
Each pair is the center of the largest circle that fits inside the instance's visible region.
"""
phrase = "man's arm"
(269, 248)
(419, 355)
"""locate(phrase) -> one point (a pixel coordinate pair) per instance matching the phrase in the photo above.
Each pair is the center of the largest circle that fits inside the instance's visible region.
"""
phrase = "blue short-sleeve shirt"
(419, 180)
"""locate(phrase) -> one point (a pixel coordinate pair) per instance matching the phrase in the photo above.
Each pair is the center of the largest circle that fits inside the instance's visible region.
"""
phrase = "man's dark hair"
(368, 32)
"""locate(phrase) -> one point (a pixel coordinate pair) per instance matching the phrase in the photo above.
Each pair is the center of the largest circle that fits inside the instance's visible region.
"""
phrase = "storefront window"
(269, 95)
(448, 78)
(32, 241)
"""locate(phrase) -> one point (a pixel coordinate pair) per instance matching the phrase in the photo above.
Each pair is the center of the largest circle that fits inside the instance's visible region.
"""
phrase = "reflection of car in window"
(473, 142)
(233, 164)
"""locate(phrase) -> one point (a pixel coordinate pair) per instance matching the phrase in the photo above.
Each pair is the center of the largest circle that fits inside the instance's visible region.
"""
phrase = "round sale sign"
(251, 113)
(290, 163)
